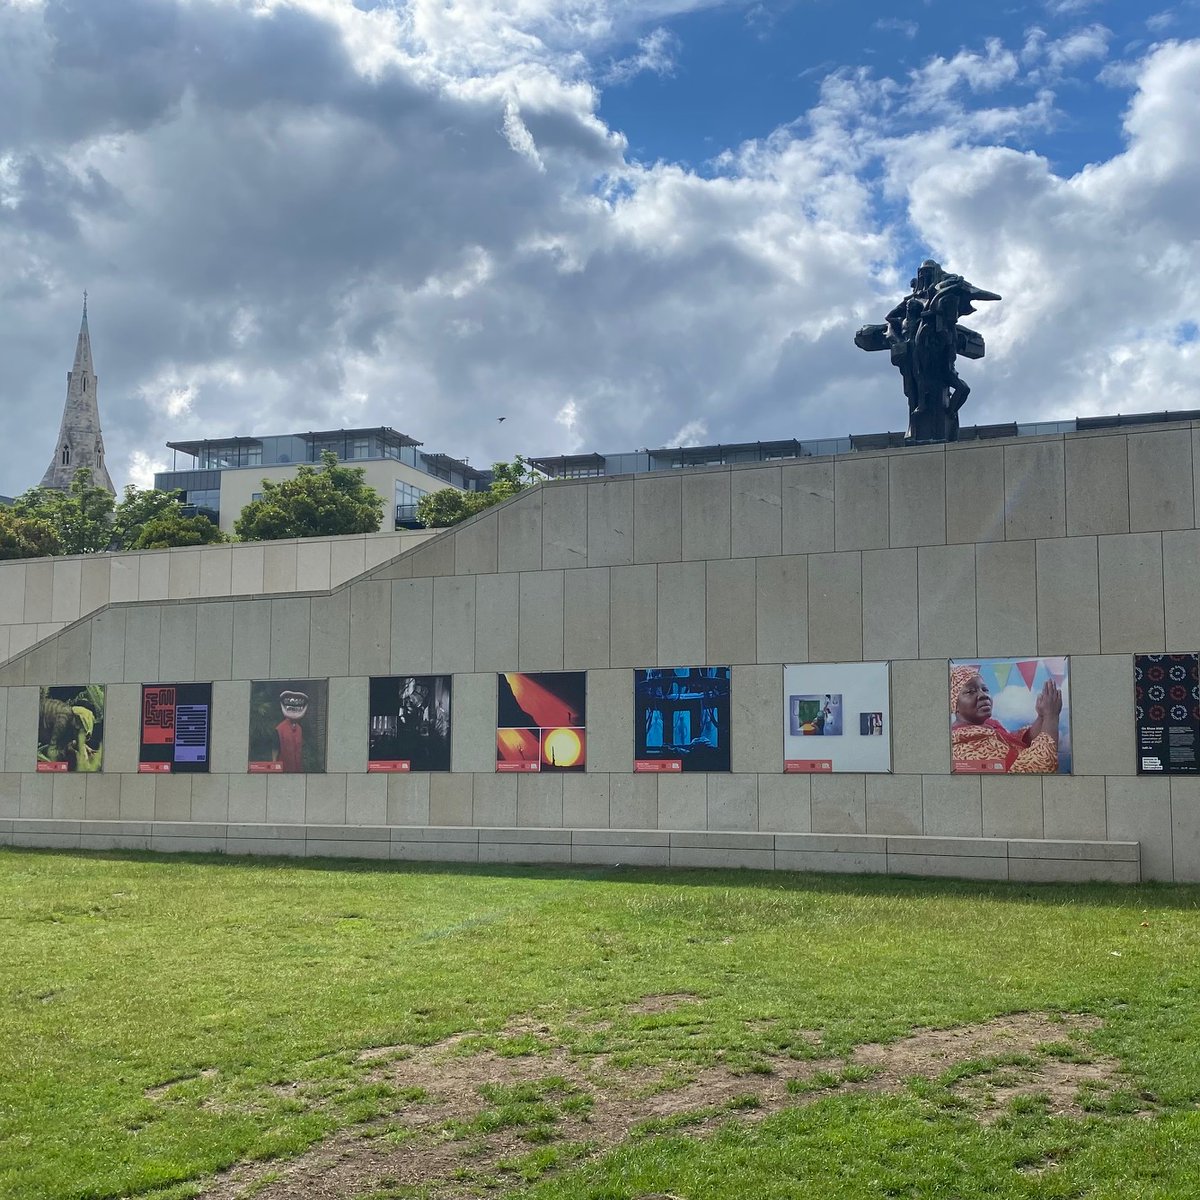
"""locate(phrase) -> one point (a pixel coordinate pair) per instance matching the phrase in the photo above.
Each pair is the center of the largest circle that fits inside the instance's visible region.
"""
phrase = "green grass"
(242, 991)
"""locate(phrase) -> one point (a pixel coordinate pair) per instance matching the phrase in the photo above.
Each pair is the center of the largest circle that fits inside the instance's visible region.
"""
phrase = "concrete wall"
(38, 597)
(1079, 544)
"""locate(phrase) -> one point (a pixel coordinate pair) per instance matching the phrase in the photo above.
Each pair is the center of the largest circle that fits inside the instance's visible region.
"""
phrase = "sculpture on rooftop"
(924, 337)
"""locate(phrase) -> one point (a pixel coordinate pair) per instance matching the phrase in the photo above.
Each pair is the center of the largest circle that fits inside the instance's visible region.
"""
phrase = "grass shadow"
(1181, 897)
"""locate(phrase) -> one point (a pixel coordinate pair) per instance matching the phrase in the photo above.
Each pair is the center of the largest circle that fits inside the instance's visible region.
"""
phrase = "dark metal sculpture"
(924, 337)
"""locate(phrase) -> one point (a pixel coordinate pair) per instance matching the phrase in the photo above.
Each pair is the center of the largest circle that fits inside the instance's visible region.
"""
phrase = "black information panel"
(1166, 689)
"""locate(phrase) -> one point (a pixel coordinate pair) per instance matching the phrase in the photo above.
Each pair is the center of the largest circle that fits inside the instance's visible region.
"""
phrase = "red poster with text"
(807, 766)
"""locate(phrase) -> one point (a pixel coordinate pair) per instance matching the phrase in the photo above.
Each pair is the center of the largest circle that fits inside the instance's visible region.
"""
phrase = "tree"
(26, 537)
(81, 517)
(83, 520)
(172, 528)
(316, 502)
(448, 506)
(153, 520)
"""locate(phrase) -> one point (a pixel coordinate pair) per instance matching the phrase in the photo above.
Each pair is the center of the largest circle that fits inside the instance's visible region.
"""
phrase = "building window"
(407, 494)
(66, 456)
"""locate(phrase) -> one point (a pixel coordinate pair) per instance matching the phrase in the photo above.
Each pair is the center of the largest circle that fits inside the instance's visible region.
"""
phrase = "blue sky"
(740, 71)
(616, 223)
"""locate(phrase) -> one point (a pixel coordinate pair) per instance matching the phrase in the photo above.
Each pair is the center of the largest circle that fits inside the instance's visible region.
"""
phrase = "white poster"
(837, 717)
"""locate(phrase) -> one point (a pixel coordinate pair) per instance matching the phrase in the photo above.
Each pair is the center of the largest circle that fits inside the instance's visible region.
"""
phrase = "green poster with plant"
(71, 728)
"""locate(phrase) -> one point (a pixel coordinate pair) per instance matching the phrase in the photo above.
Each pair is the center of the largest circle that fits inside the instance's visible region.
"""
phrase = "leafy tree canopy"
(85, 519)
(316, 502)
(26, 537)
(448, 506)
(80, 517)
(172, 528)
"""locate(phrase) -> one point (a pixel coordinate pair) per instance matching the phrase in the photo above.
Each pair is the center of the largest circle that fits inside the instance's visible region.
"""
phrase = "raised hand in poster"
(1003, 721)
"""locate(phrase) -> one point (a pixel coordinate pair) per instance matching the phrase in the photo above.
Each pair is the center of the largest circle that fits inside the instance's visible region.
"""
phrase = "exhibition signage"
(1010, 716)
(541, 721)
(1167, 713)
(176, 724)
(836, 717)
(287, 726)
(409, 723)
(681, 719)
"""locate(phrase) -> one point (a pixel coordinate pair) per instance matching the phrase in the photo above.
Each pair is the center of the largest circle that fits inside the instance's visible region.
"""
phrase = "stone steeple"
(80, 443)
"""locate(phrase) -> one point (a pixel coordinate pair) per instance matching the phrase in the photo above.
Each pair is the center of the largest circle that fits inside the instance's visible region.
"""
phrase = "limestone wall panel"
(476, 546)
(564, 526)
(807, 502)
(1131, 593)
(861, 503)
(412, 626)
(519, 545)
(756, 512)
(835, 621)
(706, 515)
(730, 612)
(682, 634)
(1035, 504)
(890, 608)
(1160, 482)
(1097, 485)
(586, 618)
(917, 498)
(497, 609)
(540, 636)
(610, 523)
(781, 608)
(453, 624)
(177, 642)
(658, 516)
(974, 493)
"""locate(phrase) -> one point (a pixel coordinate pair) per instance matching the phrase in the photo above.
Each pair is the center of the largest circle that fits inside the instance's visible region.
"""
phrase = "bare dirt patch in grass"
(668, 1002)
(490, 1120)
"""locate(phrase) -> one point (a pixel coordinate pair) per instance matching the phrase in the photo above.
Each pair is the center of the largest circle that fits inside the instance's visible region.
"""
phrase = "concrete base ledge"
(940, 857)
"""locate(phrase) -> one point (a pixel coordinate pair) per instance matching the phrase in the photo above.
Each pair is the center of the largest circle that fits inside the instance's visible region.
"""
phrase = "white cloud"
(656, 53)
(301, 215)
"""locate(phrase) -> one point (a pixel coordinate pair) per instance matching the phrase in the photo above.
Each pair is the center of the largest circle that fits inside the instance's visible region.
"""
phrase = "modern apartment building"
(223, 475)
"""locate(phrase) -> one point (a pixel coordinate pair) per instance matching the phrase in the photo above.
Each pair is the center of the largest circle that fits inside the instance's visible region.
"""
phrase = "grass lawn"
(588, 1035)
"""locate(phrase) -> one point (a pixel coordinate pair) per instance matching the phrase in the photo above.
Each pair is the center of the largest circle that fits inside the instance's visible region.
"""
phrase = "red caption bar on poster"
(978, 767)
(262, 768)
(389, 764)
(52, 766)
(807, 766)
(518, 766)
(154, 768)
(658, 764)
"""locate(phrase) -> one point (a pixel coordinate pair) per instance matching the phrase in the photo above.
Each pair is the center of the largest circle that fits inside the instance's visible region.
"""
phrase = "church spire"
(80, 442)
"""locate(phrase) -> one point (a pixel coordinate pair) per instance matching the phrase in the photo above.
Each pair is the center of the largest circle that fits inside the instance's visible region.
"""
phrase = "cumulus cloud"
(306, 214)
(656, 54)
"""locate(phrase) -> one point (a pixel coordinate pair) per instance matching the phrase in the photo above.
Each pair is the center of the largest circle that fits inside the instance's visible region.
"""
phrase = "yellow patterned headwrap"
(958, 680)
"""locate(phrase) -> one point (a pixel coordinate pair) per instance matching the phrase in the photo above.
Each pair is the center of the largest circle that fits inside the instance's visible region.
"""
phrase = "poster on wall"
(175, 721)
(1010, 716)
(287, 726)
(837, 717)
(681, 719)
(71, 728)
(410, 723)
(1166, 690)
(541, 721)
